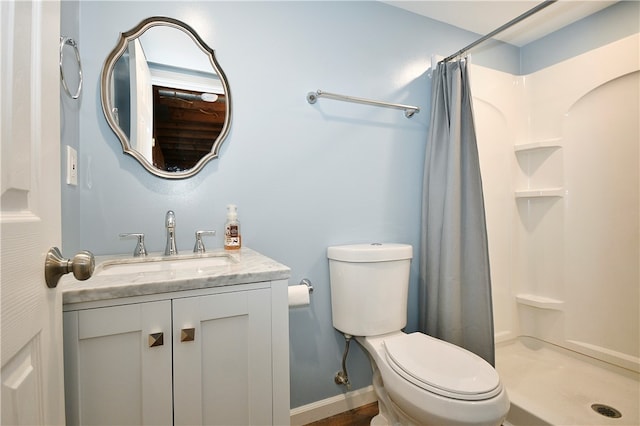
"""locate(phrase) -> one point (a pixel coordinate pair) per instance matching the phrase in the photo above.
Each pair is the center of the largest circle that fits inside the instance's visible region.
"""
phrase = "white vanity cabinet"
(198, 357)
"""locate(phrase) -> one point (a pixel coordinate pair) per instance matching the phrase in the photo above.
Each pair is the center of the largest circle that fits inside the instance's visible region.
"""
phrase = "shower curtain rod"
(501, 29)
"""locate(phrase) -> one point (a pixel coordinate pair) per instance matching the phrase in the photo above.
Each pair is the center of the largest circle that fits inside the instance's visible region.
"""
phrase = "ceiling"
(482, 16)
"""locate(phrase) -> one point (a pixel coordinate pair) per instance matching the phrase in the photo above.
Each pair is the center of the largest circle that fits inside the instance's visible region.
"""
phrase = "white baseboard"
(331, 406)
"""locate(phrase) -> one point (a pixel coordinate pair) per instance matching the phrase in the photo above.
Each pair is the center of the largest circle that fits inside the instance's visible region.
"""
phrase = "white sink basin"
(199, 264)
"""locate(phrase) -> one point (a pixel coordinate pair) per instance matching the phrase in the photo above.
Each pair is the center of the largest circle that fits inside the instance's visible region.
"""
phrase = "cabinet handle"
(156, 339)
(187, 334)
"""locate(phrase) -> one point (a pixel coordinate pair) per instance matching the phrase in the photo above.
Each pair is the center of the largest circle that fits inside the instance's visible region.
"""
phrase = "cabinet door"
(112, 374)
(223, 375)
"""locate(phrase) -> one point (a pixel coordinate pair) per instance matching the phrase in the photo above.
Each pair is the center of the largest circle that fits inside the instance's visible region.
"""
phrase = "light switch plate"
(72, 166)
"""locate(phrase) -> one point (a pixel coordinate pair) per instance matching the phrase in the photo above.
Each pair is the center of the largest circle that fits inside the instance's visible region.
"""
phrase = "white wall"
(498, 106)
(571, 258)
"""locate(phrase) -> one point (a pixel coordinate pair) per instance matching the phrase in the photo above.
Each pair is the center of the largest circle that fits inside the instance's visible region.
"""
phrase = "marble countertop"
(227, 268)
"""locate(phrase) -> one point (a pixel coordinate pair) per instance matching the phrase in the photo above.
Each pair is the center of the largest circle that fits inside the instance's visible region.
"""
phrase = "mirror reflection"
(166, 97)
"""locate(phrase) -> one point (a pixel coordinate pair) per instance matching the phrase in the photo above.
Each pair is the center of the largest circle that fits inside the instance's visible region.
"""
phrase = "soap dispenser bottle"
(232, 238)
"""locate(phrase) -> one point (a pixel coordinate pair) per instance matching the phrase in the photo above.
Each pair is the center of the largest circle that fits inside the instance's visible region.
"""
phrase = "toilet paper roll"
(298, 295)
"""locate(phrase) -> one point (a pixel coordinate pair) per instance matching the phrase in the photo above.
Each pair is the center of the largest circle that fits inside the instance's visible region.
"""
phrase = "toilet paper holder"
(307, 282)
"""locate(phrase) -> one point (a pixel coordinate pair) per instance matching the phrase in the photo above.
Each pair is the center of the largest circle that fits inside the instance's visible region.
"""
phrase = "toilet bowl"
(432, 382)
(418, 379)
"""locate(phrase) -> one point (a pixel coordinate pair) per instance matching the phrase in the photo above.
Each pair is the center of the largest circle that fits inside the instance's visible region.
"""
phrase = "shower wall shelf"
(540, 193)
(540, 302)
(553, 143)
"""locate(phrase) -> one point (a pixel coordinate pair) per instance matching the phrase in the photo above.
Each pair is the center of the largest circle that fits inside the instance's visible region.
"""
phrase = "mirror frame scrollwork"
(107, 85)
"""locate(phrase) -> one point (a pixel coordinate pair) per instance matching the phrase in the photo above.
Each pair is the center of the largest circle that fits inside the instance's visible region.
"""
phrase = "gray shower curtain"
(454, 283)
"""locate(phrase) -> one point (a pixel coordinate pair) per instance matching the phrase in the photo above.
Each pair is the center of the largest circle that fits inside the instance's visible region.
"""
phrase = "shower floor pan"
(549, 385)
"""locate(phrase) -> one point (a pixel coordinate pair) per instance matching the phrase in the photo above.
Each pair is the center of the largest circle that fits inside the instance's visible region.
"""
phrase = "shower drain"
(606, 411)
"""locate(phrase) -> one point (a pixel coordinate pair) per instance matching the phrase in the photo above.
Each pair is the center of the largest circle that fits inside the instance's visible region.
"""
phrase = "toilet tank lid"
(372, 252)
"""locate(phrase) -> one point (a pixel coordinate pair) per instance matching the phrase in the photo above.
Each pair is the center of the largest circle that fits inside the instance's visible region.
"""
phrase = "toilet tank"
(369, 287)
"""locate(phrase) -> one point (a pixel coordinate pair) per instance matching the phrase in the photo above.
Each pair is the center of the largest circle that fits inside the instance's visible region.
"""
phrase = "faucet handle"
(140, 249)
(199, 247)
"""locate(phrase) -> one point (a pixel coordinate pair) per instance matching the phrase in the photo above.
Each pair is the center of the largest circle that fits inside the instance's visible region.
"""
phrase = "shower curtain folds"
(454, 280)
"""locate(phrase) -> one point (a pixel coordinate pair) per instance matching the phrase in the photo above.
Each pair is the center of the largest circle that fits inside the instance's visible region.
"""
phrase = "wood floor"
(360, 416)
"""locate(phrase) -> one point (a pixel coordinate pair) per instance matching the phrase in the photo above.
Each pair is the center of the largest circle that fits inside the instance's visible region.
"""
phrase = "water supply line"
(342, 377)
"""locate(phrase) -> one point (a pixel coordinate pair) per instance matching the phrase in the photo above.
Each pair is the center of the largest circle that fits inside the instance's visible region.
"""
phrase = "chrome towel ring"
(71, 42)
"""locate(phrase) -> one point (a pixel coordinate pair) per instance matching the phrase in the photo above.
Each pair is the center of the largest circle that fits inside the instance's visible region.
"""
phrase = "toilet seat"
(441, 367)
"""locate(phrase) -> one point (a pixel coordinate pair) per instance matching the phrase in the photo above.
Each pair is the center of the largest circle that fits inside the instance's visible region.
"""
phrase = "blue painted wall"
(304, 176)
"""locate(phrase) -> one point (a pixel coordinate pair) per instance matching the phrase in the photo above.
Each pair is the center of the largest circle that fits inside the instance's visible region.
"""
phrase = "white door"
(141, 95)
(31, 314)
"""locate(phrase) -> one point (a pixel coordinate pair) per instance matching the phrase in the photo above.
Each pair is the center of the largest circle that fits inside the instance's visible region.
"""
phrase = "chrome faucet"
(170, 224)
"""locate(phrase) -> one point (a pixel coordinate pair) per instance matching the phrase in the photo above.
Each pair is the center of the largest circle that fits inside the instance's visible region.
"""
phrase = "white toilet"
(419, 380)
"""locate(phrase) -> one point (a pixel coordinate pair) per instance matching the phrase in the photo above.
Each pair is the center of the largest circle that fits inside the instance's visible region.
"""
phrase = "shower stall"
(559, 154)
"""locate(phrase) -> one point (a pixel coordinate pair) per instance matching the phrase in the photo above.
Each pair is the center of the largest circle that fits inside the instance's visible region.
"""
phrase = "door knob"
(55, 266)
